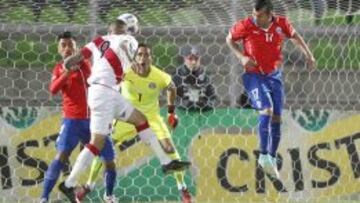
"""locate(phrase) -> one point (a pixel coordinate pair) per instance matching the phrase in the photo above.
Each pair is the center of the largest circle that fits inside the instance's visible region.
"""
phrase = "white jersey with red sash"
(109, 59)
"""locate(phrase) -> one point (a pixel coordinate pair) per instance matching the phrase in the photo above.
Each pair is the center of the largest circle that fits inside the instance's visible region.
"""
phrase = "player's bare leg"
(148, 136)
(109, 177)
(82, 162)
(82, 191)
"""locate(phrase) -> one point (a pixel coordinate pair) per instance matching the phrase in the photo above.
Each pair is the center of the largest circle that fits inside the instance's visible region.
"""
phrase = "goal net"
(319, 150)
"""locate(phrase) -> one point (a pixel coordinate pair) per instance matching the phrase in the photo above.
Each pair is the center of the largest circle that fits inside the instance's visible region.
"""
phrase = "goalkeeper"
(142, 87)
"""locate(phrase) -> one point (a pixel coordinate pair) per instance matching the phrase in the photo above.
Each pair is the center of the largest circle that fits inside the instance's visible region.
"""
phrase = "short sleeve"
(164, 79)
(87, 50)
(238, 31)
(287, 27)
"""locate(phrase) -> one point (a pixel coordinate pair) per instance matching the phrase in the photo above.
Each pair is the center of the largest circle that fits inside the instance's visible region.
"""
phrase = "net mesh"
(320, 121)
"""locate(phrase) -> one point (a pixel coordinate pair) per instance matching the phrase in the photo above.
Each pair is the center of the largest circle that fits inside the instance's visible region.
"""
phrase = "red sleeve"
(58, 80)
(286, 26)
(238, 31)
(86, 52)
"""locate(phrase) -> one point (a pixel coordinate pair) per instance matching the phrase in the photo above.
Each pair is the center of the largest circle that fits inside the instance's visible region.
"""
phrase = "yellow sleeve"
(163, 78)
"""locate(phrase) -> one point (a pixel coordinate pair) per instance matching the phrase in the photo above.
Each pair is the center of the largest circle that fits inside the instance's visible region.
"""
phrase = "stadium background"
(320, 124)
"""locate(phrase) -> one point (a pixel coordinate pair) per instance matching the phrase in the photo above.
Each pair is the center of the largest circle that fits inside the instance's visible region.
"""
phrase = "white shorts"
(105, 105)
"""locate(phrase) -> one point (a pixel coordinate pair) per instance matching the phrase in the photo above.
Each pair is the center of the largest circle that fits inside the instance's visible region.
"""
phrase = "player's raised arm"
(298, 41)
(71, 62)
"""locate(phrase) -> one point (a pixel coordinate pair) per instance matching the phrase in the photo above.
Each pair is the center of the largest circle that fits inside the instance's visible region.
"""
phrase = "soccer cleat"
(68, 192)
(81, 193)
(110, 199)
(43, 200)
(174, 166)
(274, 166)
(185, 195)
(266, 163)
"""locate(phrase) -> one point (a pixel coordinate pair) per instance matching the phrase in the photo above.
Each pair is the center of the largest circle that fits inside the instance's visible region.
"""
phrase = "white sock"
(82, 162)
(91, 185)
(149, 137)
(181, 186)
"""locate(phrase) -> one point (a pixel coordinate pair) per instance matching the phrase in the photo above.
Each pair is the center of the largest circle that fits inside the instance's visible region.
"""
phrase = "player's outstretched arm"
(70, 63)
(171, 95)
(300, 43)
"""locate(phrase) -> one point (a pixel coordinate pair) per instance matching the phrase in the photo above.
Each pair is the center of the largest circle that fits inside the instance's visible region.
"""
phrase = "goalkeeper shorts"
(125, 131)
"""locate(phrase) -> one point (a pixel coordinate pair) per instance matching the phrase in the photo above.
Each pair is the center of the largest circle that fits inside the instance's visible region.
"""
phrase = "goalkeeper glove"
(172, 118)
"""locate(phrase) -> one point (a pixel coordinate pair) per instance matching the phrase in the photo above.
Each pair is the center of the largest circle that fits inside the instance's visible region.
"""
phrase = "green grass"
(154, 13)
(150, 13)
(331, 55)
(19, 14)
(330, 18)
(30, 53)
(27, 53)
(339, 20)
(23, 53)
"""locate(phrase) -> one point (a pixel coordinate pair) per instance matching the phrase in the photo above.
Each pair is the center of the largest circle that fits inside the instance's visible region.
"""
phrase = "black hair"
(66, 35)
(264, 4)
(141, 44)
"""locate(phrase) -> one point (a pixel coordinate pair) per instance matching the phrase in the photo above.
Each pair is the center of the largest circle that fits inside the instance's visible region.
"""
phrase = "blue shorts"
(73, 131)
(265, 91)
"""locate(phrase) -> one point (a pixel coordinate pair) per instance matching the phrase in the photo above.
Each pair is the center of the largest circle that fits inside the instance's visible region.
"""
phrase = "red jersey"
(74, 90)
(263, 45)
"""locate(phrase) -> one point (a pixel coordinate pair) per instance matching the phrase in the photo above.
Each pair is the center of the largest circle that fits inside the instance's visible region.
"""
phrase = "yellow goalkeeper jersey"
(144, 92)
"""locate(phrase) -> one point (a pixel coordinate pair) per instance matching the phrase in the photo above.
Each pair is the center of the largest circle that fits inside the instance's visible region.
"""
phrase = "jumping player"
(262, 36)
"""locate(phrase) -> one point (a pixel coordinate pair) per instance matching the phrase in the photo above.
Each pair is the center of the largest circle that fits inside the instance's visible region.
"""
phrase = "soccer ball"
(131, 22)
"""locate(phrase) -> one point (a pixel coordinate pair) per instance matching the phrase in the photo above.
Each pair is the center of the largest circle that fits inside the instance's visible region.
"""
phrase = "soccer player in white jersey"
(106, 103)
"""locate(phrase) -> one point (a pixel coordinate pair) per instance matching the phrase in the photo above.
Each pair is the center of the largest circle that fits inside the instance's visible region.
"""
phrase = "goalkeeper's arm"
(171, 95)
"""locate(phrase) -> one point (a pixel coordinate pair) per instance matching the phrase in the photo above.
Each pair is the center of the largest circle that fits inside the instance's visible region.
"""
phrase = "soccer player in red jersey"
(75, 125)
(262, 36)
